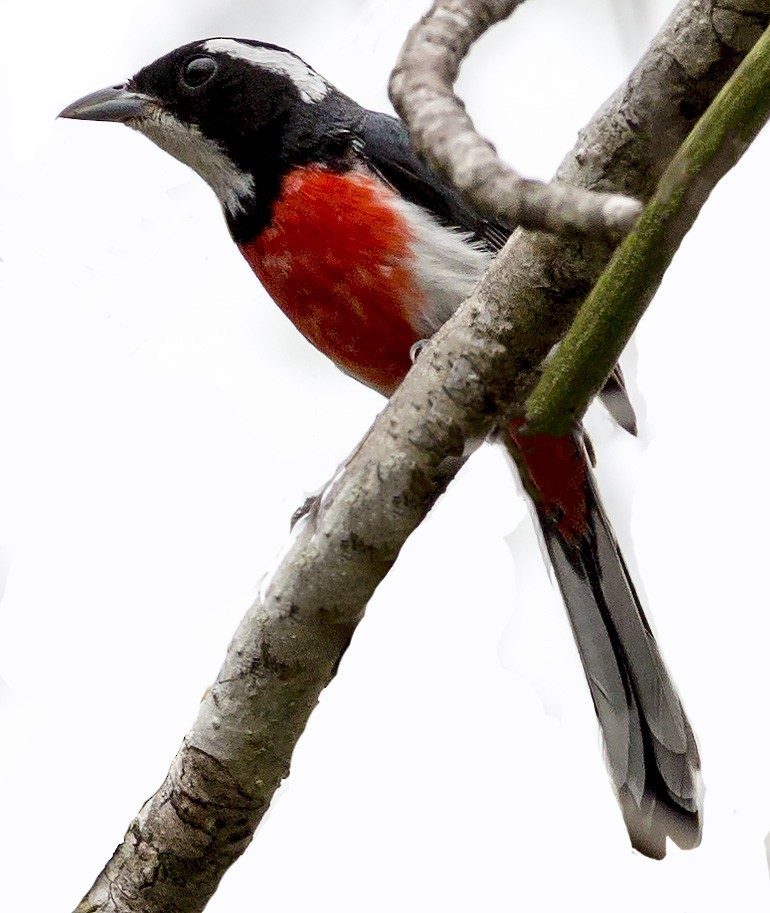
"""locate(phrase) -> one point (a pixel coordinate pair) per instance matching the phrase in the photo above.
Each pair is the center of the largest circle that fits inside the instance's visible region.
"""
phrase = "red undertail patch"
(554, 470)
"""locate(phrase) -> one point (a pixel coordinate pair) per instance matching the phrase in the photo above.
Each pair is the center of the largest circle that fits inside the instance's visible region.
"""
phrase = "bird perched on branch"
(368, 252)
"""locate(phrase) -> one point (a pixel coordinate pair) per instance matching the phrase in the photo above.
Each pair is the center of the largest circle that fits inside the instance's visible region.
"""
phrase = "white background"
(161, 421)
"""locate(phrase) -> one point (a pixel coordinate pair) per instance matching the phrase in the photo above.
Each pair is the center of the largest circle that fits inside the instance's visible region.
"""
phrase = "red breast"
(337, 258)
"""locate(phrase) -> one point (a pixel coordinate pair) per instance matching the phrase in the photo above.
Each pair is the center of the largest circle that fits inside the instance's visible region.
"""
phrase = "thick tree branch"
(289, 645)
(611, 312)
(441, 131)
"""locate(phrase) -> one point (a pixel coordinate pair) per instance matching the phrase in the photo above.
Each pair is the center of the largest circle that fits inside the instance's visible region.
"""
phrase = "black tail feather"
(650, 748)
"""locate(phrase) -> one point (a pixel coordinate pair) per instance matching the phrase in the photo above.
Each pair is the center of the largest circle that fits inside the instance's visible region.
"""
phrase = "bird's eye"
(199, 71)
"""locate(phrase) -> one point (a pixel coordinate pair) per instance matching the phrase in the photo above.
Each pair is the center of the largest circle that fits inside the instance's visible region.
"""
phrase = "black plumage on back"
(386, 149)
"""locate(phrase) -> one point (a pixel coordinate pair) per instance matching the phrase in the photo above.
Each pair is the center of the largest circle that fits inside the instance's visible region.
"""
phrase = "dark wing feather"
(384, 145)
(615, 400)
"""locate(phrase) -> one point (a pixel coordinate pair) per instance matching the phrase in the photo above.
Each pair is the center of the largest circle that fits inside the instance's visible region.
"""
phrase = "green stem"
(611, 312)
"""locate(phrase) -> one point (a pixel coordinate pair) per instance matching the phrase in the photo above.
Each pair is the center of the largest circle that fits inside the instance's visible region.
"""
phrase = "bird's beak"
(117, 104)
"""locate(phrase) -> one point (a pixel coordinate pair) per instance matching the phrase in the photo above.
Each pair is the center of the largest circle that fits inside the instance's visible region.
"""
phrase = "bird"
(368, 252)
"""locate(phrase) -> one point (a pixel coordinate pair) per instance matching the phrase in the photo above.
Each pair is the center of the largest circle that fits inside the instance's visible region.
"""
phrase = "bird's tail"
(650, 748)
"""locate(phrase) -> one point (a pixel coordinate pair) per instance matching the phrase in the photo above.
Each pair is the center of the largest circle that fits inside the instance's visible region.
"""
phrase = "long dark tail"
(650, 748)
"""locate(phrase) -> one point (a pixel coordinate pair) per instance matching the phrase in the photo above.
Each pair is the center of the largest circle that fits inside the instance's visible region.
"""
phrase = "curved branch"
(442, 132)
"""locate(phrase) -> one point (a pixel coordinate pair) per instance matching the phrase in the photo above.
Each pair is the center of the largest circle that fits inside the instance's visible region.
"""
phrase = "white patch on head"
(447, 264)
(311, 86)
(186, 143)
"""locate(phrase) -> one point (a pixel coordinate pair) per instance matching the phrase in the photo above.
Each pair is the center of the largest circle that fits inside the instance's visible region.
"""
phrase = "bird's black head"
(241, 113)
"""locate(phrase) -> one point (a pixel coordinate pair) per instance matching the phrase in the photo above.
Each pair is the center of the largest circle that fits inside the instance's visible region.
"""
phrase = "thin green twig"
(611, 312)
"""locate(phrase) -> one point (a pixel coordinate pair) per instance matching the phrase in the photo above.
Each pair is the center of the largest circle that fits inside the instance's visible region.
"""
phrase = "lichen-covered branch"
(441, 130)
(289, 644)
(611, 312)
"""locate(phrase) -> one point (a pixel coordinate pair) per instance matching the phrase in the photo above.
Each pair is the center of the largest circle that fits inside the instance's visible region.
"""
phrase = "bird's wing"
(384, 145)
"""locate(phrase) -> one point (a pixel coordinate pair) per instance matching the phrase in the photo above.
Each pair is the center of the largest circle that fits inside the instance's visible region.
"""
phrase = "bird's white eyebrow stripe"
(311, 86)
